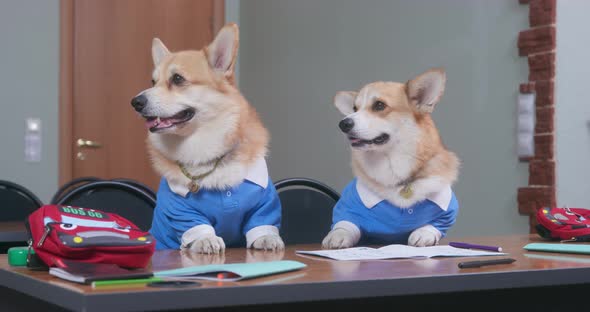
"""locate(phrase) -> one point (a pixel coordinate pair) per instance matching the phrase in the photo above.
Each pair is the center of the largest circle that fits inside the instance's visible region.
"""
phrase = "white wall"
(572, 109)
(29, 81)
(295, 55)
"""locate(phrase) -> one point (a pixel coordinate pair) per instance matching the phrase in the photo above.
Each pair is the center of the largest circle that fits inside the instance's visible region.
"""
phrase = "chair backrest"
(16, 201)
(71, 184)
(127, 200)
(136, 183)
(306, 209)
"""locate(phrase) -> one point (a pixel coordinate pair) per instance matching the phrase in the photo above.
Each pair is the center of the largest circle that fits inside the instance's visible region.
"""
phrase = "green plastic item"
(574, 248)
(17, 256)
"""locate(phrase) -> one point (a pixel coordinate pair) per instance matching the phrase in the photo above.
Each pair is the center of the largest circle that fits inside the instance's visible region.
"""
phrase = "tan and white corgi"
(209, 145)
(403, 173)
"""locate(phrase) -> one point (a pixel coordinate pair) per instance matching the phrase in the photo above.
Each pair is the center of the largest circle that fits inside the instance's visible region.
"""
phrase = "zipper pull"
(45, 233)
(573, 239)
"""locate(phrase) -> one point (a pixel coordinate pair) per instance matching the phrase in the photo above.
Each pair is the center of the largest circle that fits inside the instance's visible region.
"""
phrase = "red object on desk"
(224, 275)
(570, 224)
(88, 235)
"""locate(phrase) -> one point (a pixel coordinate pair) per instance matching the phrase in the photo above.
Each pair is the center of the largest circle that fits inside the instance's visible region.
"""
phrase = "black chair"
(16, 201)
(127, 200)
(306, 209)
(70, 185)
(136, 183)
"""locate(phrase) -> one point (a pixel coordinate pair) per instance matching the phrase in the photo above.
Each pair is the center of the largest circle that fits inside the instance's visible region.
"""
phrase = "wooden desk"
(13, 232)
(416, 283)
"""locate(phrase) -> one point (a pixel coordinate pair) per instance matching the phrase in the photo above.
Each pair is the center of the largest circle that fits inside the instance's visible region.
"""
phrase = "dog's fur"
(412, 151)
(220, 122)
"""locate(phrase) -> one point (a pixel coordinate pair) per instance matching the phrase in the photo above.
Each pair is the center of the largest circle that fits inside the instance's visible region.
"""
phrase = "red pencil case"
(87, 235)
(571, 224)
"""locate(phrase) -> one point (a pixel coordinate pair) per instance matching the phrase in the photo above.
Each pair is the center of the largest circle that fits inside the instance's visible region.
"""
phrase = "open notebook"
(397, 251)
(231, 271)
(86, 273)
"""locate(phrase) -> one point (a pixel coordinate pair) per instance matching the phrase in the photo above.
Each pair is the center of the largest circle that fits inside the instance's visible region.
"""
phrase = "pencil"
(123, 282)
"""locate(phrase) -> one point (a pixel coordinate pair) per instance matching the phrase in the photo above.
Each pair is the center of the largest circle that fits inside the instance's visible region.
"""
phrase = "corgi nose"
(139, 102)
(346, 125)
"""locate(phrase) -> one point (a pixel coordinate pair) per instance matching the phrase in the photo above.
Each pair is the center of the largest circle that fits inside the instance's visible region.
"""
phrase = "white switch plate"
(525, 132)
(33, 139)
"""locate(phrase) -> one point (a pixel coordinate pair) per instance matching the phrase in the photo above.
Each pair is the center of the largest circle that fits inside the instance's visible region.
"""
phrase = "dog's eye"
(153, 82)
(354, 109)
(378, 106)
(177, 79)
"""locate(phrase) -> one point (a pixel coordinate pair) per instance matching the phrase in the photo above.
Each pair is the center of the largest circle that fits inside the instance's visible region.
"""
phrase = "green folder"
(559, 247)
(232, 271)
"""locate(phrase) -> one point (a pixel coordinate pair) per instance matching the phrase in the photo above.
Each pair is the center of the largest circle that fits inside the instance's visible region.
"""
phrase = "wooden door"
(105, 62)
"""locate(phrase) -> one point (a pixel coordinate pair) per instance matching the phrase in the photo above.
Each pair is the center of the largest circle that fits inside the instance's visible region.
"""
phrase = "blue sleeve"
(174, 215)
(267, 211)
(445, 221)
(345, 210)
(341, 212)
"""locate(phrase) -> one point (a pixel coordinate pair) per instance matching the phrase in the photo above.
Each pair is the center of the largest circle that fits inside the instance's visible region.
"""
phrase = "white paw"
(423, 237)
(338, 238)
(269, 242)
(209, 244)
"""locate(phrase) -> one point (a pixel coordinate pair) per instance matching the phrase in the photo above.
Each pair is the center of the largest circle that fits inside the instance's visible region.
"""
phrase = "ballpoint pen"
(480, 263)
(475, 246)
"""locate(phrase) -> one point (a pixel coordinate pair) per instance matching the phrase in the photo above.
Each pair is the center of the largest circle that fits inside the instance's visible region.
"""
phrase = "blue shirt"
(387, 223)
(232, 212)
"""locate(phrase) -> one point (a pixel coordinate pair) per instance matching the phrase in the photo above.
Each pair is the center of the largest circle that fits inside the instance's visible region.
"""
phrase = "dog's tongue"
(159, 123)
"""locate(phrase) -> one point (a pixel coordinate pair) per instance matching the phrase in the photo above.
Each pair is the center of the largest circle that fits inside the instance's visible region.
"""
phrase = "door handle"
(88, 143)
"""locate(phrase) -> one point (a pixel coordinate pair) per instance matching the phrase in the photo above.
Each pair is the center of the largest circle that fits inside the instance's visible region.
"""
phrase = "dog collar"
(407, 191)
(193, 185)
(370, 198)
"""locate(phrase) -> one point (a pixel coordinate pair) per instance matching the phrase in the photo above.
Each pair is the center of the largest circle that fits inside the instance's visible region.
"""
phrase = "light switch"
(526, 125)
(33, 140)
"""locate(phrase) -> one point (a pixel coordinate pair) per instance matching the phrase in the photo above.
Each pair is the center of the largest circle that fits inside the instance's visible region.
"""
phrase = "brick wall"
(537, 44)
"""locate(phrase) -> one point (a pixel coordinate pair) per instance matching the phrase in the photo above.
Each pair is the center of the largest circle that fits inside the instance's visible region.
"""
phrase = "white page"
(356, 253)
(437, 251)
(398, 251)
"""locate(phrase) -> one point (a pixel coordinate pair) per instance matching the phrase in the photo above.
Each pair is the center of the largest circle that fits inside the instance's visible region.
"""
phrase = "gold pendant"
(406, 192)
(193, 187)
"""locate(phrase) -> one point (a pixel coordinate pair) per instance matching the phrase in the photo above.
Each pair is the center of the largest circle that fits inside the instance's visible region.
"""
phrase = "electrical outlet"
(33, 139)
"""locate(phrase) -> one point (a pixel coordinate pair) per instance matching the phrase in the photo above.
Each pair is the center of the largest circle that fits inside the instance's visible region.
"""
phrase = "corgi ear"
(222, 52)
(344, 101)
(159, 51)
(426, 90)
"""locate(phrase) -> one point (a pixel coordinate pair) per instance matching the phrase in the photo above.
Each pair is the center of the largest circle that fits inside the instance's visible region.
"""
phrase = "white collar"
(257, 173)
(369, 198)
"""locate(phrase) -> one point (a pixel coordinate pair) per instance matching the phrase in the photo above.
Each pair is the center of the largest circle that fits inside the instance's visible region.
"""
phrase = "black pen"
(477, 264)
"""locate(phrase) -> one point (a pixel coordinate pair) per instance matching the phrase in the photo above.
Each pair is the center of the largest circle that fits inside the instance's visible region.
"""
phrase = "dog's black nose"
(139, 102)
(346, 125)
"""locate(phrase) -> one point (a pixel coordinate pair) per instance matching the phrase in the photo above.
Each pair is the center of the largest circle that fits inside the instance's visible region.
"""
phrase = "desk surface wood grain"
(379, 277)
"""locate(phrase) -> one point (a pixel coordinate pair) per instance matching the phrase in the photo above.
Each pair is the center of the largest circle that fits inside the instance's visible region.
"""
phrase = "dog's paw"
(269, 242)
(424, 236)
(338, 238)
(209, 244)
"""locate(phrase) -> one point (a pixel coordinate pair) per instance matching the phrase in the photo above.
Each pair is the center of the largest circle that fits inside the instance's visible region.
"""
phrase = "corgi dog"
(401, 192)
(209, 145)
